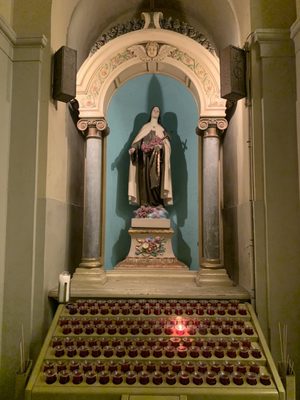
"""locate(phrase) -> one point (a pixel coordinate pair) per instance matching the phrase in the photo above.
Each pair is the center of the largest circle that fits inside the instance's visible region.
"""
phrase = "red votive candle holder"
(184, 378)
(240, 367)
(170, 378)
(95, 351)
(120, 351)
(224, 378)
(202, 367)
(83, 351)
(176, 366)
(163, 367)
(194, 351)
(237, 378)
(197, 378)
(59, 351)
(90, 377)
(71, 351)
(103, 377)
(157, 352)
(50, 376)
(99, 366)
(251, 378)
(189, 367)
(132, 351)
(244, 352)
(108, 351)
(130, 378)
(169, 351)
(112, 366)
(137, 366)
(219, 352)
(74, 365)
(77, 377)
(206, 352)
(61, 366)
(256, 353)
(145, 351)
(265, 379)
(63, 377)
(253, 367)
(144, 378)
(48, 365)
(211, 378)
(157, 378)
(87, 366)
(182, 351)
(228, 367)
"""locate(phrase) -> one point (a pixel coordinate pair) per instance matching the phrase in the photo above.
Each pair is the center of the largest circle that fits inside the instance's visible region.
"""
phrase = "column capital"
(93, 128)
(219, 124)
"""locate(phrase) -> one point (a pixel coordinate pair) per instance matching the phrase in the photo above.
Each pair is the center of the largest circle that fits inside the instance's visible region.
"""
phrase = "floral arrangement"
(150, 247)
(151, 212)
(147, 147)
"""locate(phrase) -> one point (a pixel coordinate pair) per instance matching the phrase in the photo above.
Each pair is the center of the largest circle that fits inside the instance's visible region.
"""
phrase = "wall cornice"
(7, 38)
(274, 42)
(295, 34)
(19, 48)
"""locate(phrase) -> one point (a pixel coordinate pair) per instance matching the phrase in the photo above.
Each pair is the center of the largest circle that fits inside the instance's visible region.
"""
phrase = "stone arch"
(129, 55)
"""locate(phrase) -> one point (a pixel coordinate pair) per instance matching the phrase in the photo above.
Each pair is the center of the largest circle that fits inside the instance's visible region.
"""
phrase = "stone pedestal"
(86, 280)
(151, 245)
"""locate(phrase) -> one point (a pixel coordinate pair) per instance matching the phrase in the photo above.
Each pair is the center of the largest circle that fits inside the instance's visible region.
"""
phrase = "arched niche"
(150, 50)
(128, 56)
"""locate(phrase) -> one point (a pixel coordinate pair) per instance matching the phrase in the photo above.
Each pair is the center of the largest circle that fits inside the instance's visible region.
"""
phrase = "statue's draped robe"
(149, 182)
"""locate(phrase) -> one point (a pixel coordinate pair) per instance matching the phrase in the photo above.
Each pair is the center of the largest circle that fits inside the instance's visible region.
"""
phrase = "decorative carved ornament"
(151, 52)
(204, 123)
(155, 50)
(96, 128)
(153, 20)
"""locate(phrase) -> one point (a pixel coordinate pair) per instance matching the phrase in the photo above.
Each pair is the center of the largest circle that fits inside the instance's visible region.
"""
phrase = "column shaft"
(211, 197)
(211, 129)
(96, 129)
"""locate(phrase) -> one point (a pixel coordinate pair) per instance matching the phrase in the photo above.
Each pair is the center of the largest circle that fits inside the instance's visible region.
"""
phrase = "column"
(94, 131)
(212, 271)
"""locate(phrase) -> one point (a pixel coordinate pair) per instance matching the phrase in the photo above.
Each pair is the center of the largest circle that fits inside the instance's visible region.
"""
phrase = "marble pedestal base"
(151, 245)
(87, 279)
(213, 277)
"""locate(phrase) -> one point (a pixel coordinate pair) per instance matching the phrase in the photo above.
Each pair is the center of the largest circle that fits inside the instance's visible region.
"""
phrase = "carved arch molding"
(149, 50)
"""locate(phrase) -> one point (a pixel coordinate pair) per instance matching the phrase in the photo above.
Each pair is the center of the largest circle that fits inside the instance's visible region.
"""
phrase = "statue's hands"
(157, 147)
(131, 150)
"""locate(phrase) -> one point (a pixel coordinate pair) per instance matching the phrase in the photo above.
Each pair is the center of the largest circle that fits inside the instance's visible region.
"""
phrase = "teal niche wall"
(128, 111)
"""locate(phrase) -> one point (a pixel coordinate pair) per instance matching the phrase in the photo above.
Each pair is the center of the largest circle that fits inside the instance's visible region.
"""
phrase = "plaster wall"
(6, 67)
(23, 102)
(65, 169)
(275, 168)
(128, 111)
(6, 10)
(236, 200)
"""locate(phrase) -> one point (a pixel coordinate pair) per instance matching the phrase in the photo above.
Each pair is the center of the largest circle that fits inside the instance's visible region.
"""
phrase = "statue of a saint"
(150, 171)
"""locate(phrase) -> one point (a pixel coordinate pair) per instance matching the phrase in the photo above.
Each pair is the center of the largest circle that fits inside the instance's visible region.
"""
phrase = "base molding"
(213, 277)
(156, 263)
(87, 279)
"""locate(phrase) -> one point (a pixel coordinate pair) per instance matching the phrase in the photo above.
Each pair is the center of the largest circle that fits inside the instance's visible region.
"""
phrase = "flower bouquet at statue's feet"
(146, 211)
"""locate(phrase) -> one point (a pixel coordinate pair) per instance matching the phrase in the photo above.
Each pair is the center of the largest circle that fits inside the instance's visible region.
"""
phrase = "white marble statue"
(150, 170)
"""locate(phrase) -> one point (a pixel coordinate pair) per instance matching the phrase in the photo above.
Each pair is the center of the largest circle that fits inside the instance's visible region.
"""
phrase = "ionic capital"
(93, 128)
(211, 126)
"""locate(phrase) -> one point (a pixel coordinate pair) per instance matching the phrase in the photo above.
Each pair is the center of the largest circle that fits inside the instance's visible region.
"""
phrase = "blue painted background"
(128, 111)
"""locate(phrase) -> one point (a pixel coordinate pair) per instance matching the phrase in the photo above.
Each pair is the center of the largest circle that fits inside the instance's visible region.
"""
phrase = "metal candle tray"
(159, 348)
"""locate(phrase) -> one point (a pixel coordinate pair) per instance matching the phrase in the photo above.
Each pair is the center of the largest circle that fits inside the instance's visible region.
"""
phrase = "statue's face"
(155, 112)
(152, 49)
